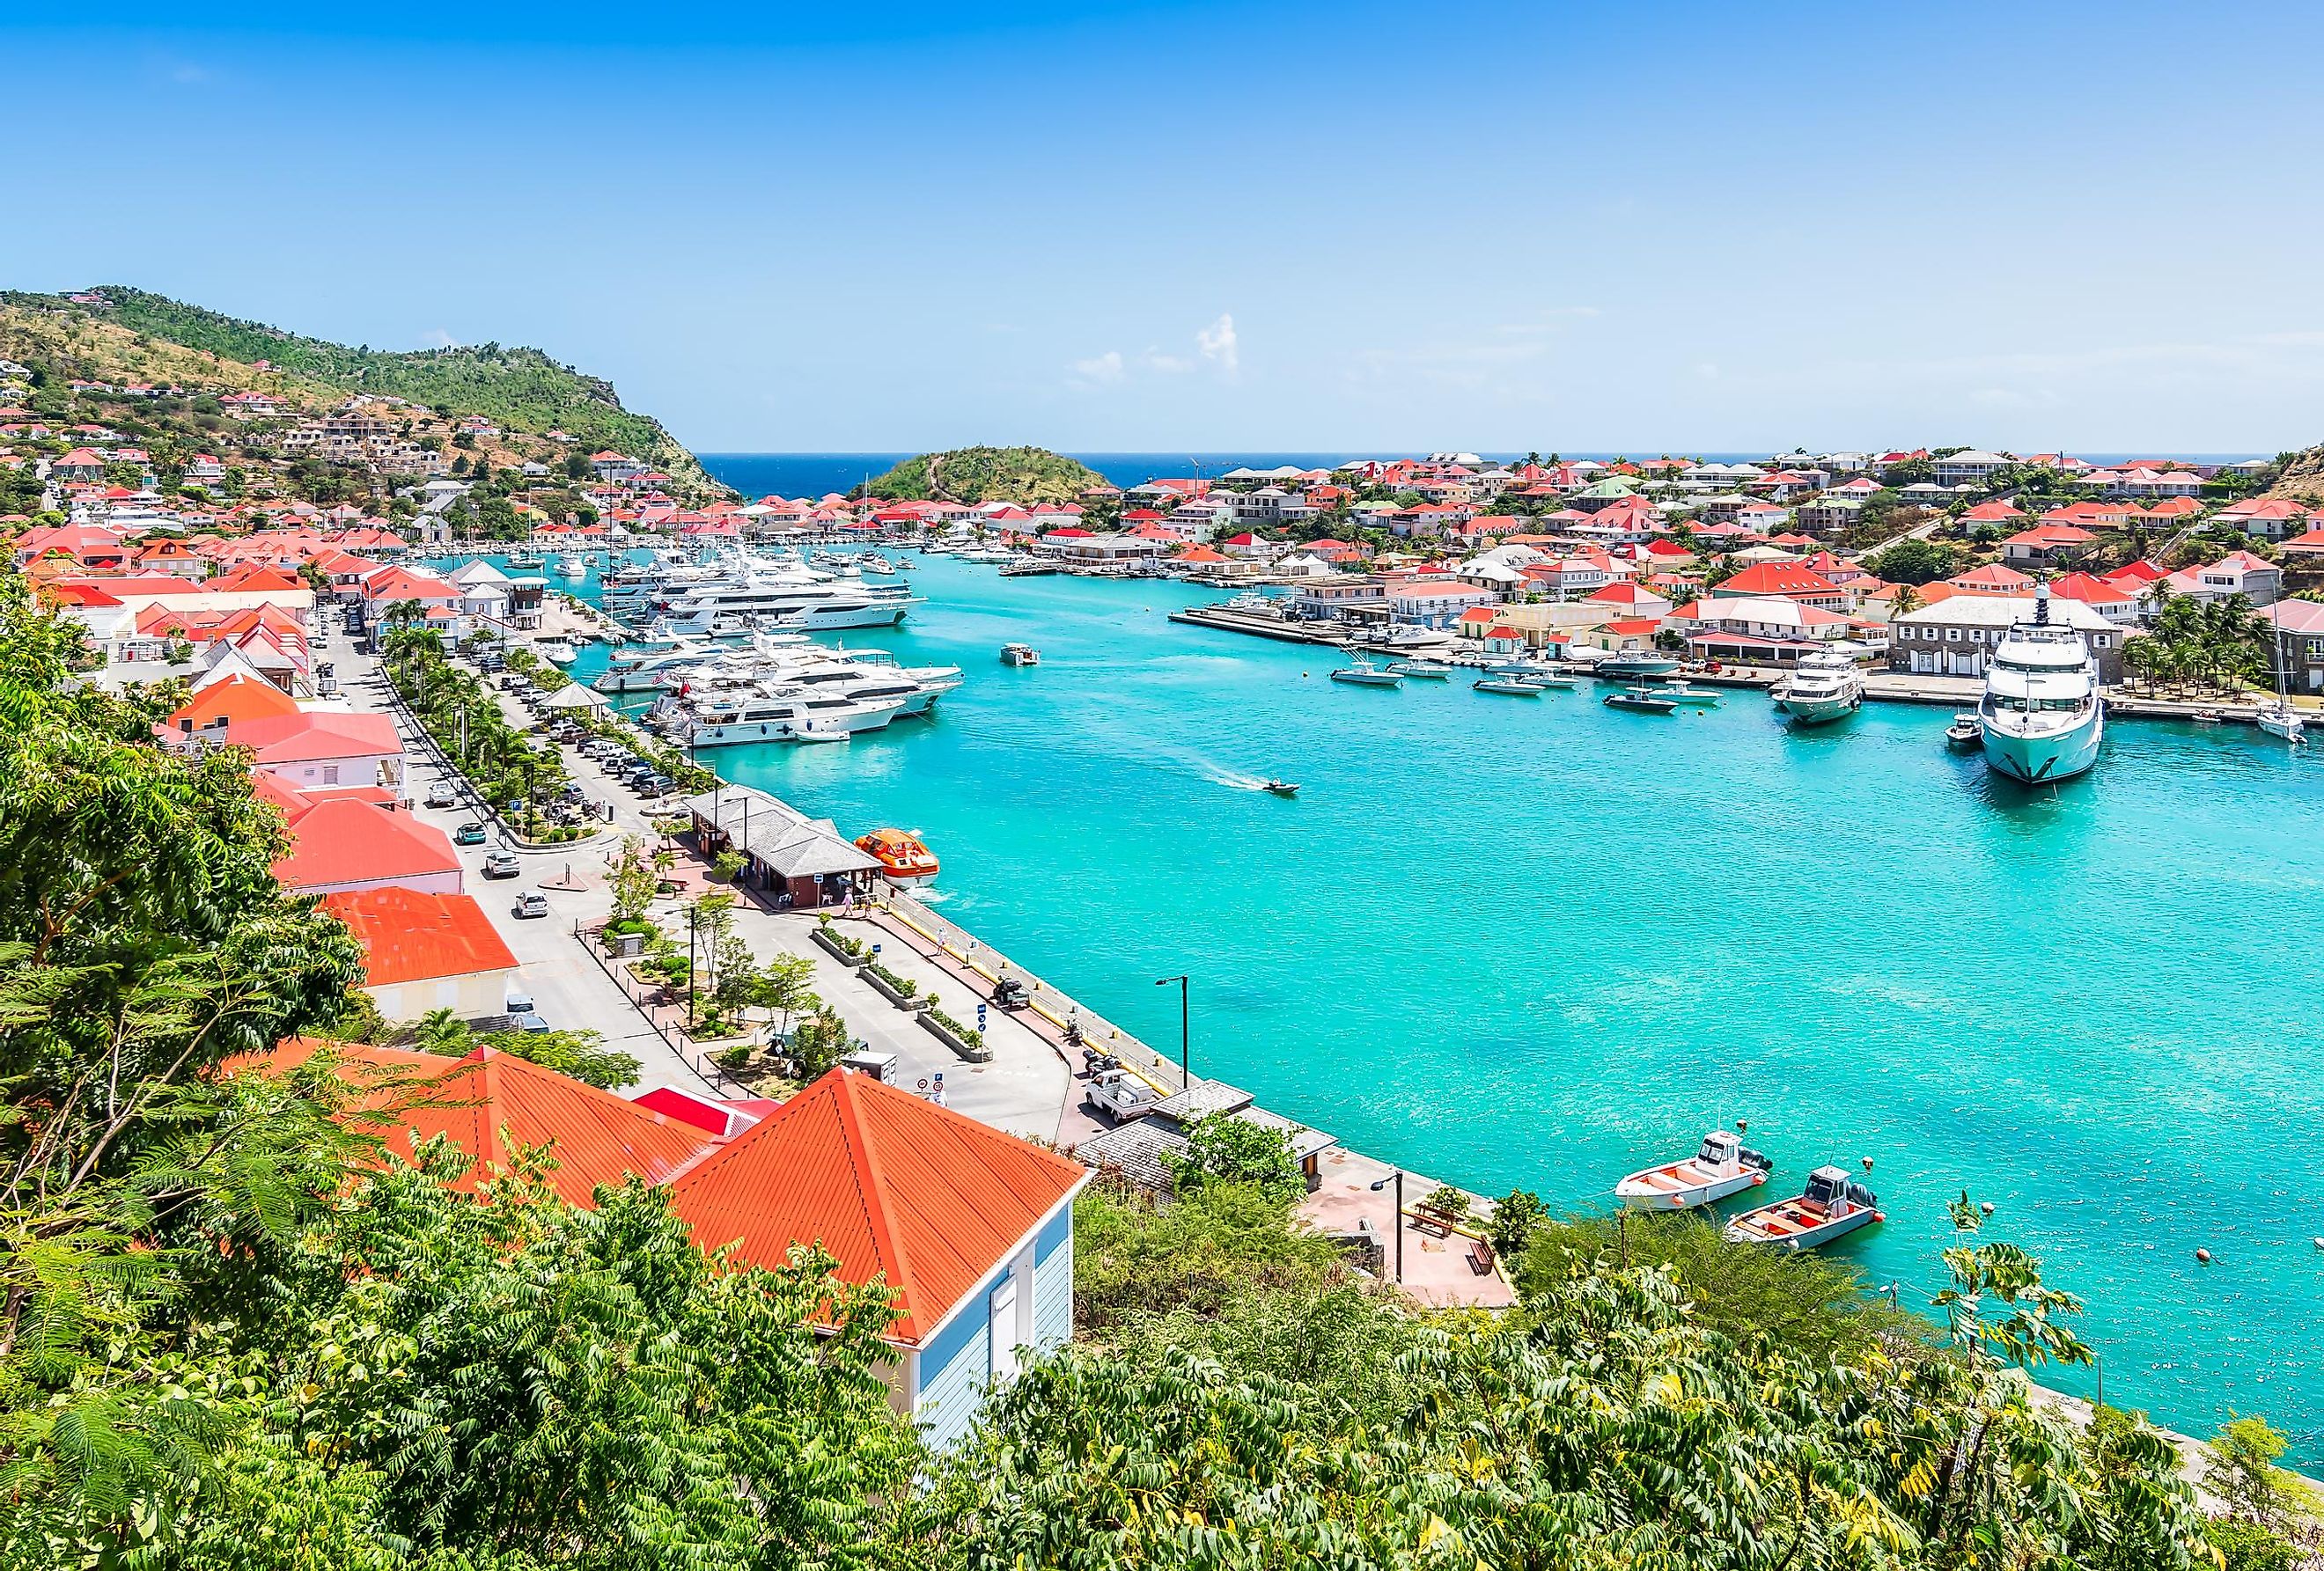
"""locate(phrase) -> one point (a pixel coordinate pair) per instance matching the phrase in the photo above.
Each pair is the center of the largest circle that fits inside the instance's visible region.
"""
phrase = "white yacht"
(766, 712)
(654, 670)
(1417, 640)
(2042, 713)
(1825, 686)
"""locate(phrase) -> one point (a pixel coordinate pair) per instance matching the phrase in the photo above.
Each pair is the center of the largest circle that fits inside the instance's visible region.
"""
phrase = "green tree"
(1223, 1149)
(1914, 562)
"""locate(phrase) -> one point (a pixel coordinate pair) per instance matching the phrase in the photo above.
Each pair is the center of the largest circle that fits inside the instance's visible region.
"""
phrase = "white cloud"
(1174, 364)
(1217, 343)
(1099, 369)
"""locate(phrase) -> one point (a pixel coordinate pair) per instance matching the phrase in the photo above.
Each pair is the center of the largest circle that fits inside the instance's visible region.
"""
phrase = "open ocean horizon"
(814, 474)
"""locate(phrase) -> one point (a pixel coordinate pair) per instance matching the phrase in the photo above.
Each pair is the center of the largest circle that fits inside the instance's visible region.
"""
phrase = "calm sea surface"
(1539, 942)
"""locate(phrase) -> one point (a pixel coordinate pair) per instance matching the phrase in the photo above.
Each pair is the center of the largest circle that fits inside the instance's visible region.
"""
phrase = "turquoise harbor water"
(1540, 942)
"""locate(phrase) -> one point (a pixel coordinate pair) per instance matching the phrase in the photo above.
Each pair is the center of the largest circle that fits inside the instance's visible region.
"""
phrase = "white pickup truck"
(1118, 1096)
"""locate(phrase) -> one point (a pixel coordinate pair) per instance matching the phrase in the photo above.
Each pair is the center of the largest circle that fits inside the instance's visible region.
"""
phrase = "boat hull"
(1641, 1192)
(1631, 667)
(1743, 1229)
(1367, 678)
(2049, 758)
(1820, 711)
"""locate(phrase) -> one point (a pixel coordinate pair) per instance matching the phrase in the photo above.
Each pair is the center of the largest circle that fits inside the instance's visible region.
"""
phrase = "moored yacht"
(773, 713)
(1632, 667)
(1824, 686)
(2043, 714)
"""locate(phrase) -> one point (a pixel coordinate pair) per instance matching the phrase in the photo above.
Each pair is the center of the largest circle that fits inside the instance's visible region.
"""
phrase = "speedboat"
(901, 857)
(1723, 1167)
(1631, 667)
(1824, 686)
(1020, 655)
(1515, 687)
(1364, 674)
(2043, 714)
(1833, 1206)
(1639, 699)
(1965, 732)
(1688, 693)
(1428, 670)
(1280, 787)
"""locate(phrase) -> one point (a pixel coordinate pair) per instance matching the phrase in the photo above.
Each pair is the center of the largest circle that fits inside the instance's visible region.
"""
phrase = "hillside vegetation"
(1025, 475)
(2301, 477)
(149, 337)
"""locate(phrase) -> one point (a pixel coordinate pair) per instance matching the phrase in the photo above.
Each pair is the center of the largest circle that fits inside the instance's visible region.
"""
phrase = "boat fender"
(1880, 1215)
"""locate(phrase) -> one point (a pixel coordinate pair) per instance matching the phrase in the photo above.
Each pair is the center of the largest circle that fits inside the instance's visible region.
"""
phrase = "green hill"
(1024, 475)
(521, 389)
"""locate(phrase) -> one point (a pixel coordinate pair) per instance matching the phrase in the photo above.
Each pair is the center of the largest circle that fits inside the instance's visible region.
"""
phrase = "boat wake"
(1233, 780)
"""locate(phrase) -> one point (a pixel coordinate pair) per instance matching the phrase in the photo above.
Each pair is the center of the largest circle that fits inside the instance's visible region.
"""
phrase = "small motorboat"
(901, 856)
(1020, 655)
(2207, 717)
(1364, 674)
(1966, 731)
(1688, 693)
(1280, 787)
(1723, 1167)
(1639, 699)
(1515, 687)
(1833, 1206)
(1428, 670)
(811, 733)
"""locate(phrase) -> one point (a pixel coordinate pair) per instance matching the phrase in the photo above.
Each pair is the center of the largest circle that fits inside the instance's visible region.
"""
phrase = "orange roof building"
(971, 1228)
(425, 951)
(340, 845)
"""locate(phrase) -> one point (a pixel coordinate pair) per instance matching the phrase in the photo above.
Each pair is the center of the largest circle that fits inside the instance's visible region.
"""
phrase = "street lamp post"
(1395, 1222)
(689, 969)
(1186, 1032)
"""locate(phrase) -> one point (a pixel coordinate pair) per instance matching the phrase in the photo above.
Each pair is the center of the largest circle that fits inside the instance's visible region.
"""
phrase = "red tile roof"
(342, 840)
(236, 700)
(411, 937)
(895, 1188)
(488, 1102)
(311, 737)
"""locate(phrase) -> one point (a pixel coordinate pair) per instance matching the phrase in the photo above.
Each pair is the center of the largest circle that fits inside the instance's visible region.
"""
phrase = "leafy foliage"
(1221, 1149)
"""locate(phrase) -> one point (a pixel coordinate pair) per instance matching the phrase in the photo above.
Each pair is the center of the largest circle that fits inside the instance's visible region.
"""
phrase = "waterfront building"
(1955, 635)
(806, 862)
(1433, 602)
(1787, 579)
(1759, 630)
(2299, 629)
(2045, 543)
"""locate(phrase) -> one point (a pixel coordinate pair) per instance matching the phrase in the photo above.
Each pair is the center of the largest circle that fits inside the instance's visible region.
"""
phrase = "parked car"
(441, 795)
(521, 1003)
(470, 833)
(501, 865)
(527, 1022)
(531, 902)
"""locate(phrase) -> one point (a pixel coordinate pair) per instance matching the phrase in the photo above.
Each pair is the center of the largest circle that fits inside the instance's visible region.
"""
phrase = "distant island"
(974, 475)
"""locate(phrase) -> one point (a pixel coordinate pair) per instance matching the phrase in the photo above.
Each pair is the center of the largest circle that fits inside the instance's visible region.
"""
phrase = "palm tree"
(1907, 599)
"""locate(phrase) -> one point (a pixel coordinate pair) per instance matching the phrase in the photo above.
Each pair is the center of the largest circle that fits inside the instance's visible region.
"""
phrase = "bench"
(1481, 1257)
(1429, 1219)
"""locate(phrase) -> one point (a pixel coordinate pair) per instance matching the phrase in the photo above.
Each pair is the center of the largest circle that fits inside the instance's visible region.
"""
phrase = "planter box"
(830, 946)
(914, 1002)
(973, 1054)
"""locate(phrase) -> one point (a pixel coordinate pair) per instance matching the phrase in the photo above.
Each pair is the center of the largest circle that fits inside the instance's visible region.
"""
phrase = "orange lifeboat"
(902, 856)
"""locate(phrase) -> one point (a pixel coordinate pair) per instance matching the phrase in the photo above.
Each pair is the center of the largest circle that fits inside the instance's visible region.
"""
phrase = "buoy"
(1867, 1164)
(1986, 1207)
(2204, 1256)
(1743, 1127)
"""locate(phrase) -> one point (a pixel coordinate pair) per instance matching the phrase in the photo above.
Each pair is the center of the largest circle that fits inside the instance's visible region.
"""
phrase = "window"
(330, 774)
(2100, 641)
(1952, 635)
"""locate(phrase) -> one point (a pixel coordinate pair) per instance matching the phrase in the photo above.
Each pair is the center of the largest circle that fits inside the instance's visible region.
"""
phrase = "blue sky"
(1168, 226)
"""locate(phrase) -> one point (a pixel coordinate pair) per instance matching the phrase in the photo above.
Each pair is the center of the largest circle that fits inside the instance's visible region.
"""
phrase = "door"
(1004, 1329)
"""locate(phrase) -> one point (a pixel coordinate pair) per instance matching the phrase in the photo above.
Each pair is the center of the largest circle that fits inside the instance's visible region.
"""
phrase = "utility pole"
(1186, 1032)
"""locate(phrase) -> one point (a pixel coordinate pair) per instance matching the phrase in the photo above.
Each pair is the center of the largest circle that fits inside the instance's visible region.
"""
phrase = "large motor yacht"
(2043, 714)
(1825, 686)
(773, 713)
